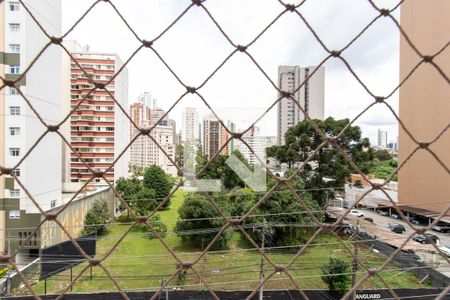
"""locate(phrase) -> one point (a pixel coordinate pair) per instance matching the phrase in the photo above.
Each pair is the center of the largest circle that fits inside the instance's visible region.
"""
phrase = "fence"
(238, 49)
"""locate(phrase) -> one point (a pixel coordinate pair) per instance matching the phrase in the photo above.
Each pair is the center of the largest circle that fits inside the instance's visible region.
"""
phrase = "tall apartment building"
(424, 105)
(214, 137)
(99, 130)
(139, 113)
(20, 41)
(257, 143)
(189, 124)
(310, 96)
(382, 138)
(144, 151)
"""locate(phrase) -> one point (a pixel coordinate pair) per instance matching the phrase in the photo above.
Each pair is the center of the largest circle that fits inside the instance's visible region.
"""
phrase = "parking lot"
(378, 228)
(383, 221)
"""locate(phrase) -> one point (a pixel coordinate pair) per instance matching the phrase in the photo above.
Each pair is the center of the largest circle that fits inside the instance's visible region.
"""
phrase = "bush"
(96, 219)
(336, 276)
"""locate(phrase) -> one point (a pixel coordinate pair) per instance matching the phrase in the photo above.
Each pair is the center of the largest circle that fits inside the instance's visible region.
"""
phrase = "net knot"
(286, 94)
(9, 83)
(145, 131)
(50, 217)
(5, 171)
(5, 258)
(384, 12)
(94, 262)
(280, 268)
(147, 44)
(379, 99)
(141, 219)
(97, 174)
(235, 222)
(99, 85)
(56, 40)
(335, 53)
(52, 128)
(241, 48)
(197, 2)
(290, 7)
(236, 135)
(424, 145)
(427, 58)
(191, 89)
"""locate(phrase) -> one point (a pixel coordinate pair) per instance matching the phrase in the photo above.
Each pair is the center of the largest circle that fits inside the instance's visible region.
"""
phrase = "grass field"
(141, 263)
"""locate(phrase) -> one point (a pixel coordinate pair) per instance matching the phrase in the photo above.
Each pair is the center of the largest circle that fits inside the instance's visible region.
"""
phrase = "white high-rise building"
(382, 138)
(44, 85)
(189, 125)
(310, 96)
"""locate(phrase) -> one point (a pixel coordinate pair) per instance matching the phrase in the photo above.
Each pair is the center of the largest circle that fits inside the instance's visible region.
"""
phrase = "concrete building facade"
(99, 130)
(310, 96)
(20, 41)
(424, 105)
(189, 124)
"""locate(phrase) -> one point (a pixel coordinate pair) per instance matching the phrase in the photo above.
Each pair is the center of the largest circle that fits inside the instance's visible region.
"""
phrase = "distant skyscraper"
(139, 113)
(214, 137)
(310, 96)
(382, 138)
(144, 151)
(189, 124)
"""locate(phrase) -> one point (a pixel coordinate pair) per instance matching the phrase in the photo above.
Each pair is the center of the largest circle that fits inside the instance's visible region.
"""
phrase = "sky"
(194, 47)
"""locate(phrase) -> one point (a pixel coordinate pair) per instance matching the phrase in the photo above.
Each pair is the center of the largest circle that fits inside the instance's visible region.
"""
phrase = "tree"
(199, 232)
(278, 210)
(138, 197)
(179, 157)
(382, 155)
(335, 275)
(218, 169)
(156, 223)
(96, 218)
(135, 170)
(329, 168)
(156, 179)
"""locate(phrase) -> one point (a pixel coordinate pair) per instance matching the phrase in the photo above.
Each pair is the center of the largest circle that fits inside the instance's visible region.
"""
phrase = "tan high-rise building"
(214, 137)
(425, 105)
(99, 130)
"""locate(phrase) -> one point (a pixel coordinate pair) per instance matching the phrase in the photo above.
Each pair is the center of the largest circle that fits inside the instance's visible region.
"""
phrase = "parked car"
(441, 228)
(395, 216)
(356, 213)
(446, 250)
(397, 228)
(414, 221)
(422, 238)
(368, 219)
(383, 212)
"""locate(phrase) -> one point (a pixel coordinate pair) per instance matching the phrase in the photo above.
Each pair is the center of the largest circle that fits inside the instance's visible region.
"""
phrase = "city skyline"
(251, 92)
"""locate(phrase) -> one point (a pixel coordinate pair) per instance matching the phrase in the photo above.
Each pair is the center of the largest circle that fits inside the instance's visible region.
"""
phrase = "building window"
(14, 214)
(14, 48)
(16, 172)
(13, 91)
(52, 203)
(14, 110)
(14, 6)
(14, 27)
(14, 69)
(14, 151)
(14, 193)
(14, 130)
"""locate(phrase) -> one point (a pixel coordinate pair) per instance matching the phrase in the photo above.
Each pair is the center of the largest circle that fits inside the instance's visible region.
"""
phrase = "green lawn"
(141, 263)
